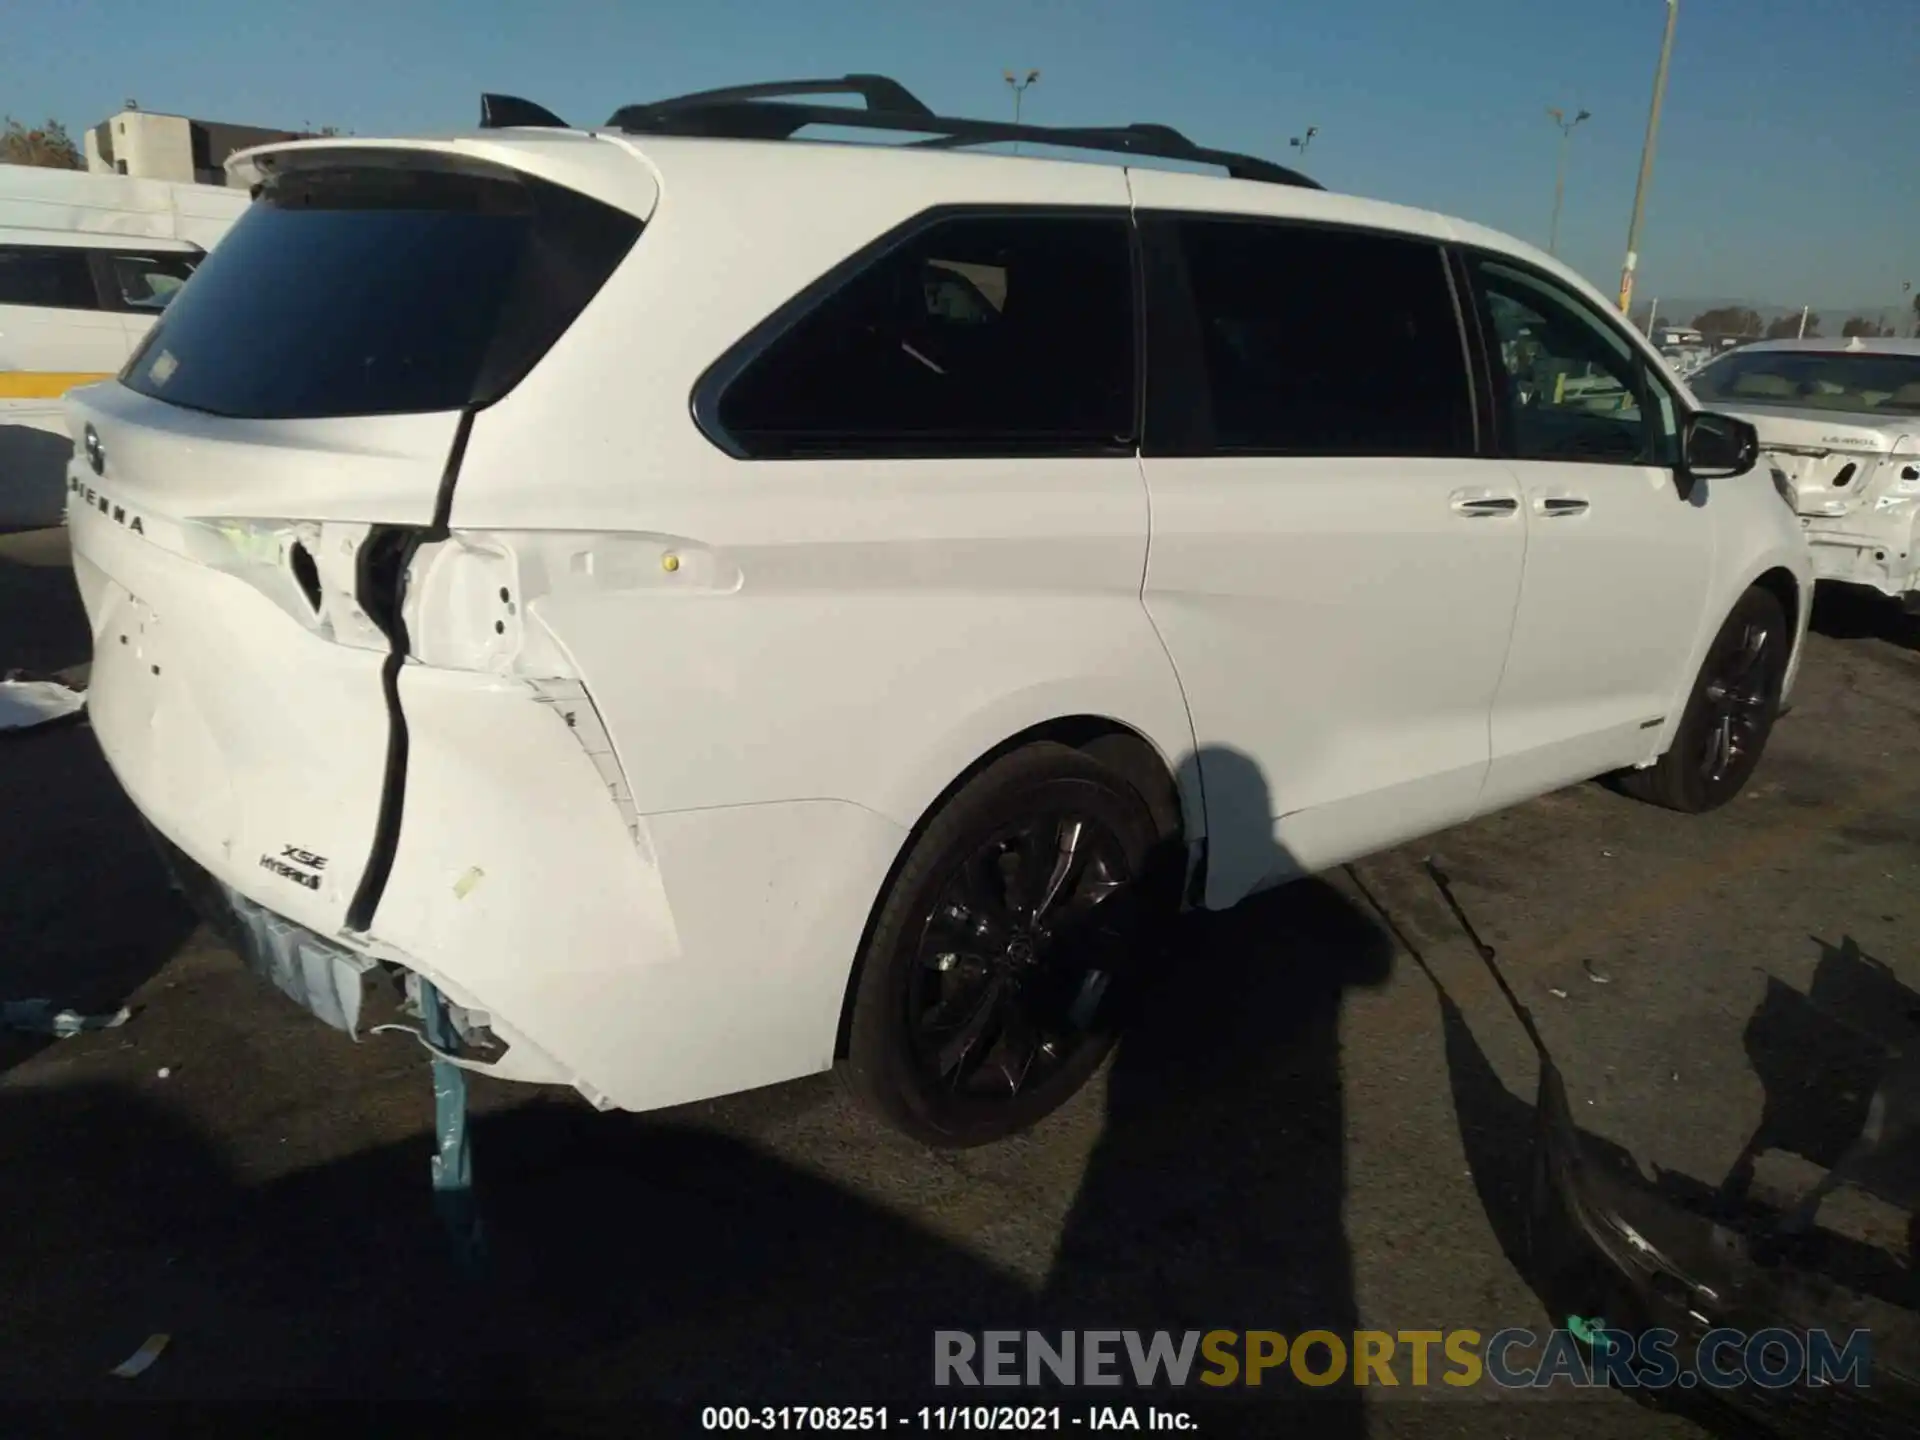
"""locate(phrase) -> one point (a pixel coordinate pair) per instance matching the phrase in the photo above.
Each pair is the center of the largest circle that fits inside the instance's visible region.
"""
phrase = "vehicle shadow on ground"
(1841, 613)
(640, 1262)
(1840, 1070)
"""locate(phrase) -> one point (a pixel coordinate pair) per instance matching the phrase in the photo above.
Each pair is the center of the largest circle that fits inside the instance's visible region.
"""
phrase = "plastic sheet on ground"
(38, 1017)
(25, 704)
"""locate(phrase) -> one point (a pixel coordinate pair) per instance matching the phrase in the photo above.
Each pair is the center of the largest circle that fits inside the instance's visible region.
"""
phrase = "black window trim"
(1179, 416)
(711, 386)
(93, 278)
(1649, 371)
(106, 283)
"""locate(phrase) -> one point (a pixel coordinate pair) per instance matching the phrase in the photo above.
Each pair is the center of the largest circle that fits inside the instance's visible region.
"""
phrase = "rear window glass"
(145, 283)
(1861, 382)
(379, 288)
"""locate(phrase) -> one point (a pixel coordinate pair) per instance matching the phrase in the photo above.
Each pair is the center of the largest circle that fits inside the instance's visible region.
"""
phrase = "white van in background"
(87, 262)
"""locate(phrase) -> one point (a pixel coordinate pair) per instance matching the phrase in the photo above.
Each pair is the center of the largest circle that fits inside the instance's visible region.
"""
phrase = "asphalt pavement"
(1313, 1128)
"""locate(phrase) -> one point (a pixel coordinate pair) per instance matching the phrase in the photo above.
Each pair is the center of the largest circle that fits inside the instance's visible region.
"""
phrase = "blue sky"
(1786, 170)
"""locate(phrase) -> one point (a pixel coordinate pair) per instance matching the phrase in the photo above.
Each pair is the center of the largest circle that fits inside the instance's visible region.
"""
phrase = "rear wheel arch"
(1114, 744)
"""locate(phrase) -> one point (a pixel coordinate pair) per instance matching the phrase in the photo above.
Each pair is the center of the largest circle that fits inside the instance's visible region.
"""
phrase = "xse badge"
(300, 866)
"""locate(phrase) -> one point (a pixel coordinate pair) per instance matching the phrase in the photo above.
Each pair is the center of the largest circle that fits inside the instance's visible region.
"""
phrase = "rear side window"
(1319, 341)
(47, 276)
(145, 284)
(379, 285)
(979, 334)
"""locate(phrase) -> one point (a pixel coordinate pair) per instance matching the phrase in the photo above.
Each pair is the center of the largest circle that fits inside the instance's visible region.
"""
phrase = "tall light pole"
(1019, 88)
(1560, 175)
(1646, 160)
(1300, 142)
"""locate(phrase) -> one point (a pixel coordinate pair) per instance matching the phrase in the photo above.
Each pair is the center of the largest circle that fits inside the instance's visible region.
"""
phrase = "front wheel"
(987, 986)
(1729, 715)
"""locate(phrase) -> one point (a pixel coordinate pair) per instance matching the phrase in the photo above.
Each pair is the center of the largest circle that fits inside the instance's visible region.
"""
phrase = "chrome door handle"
(1481, 505)
(1553, 505)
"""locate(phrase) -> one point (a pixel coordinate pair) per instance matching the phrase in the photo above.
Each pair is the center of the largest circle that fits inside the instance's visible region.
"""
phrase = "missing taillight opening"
(306, 574)
(1841, 480)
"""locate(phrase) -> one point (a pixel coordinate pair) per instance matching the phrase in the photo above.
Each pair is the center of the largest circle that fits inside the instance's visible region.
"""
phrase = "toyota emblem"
(96, 452)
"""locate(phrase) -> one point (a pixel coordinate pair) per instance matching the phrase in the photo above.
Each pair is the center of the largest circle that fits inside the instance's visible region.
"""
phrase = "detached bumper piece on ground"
(1608, 1247)
(1614, 1254)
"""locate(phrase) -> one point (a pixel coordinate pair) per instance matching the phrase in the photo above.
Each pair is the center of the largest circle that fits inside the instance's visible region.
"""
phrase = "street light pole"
(1301, 142)
(1019, 88)
(1646, 159)
(1560, 175)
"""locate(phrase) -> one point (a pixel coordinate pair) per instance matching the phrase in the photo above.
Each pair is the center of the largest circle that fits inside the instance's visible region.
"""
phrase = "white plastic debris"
(27, 703)
(1557, 994)
(138, 1362)
(38, 1017)
(164, 1071)
(1594, 975)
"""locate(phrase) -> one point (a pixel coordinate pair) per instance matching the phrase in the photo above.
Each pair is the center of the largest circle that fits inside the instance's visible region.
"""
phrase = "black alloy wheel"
(991, 981)
(1729, 715)
(1016, 952)
(1740, 694)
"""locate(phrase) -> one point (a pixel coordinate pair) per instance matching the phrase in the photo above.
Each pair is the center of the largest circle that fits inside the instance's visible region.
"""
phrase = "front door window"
(1571, 386)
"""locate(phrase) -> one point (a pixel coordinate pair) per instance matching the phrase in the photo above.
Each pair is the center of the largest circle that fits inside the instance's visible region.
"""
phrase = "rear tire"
(990, 983)
(1729, 714)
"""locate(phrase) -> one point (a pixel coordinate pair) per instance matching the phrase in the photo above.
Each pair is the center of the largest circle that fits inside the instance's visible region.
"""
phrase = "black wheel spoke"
(979, 903)
(968, 1042)
(1069, 860)
(1737, 696)
(1025, 865)
(1753, 645)
(1019, 1048)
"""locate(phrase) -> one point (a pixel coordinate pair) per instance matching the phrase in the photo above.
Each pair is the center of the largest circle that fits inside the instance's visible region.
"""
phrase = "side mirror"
(1717, 447)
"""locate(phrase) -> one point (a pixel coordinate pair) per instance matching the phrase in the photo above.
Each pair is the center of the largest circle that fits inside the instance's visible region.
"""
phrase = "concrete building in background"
(153, 146)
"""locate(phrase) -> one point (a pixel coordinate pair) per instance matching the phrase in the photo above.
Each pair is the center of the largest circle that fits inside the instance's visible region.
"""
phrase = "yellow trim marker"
(43, 384)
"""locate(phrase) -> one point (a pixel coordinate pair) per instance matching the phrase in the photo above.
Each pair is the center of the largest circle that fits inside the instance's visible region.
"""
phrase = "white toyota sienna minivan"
(718, 605)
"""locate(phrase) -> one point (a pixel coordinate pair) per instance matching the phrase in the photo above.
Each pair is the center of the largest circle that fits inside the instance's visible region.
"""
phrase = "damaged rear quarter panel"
(704, 953)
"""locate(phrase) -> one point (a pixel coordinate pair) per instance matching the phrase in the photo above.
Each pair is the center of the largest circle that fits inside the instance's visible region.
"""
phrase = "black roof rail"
(878, 91)
(502, 112)
(760, 112)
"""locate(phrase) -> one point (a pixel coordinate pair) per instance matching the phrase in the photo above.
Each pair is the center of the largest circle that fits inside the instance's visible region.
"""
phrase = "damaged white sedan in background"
(1840, 422)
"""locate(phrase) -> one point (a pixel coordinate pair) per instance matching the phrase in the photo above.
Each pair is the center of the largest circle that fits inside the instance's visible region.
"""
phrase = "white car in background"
(713, 604)
(87, 263)
(1839, 421)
